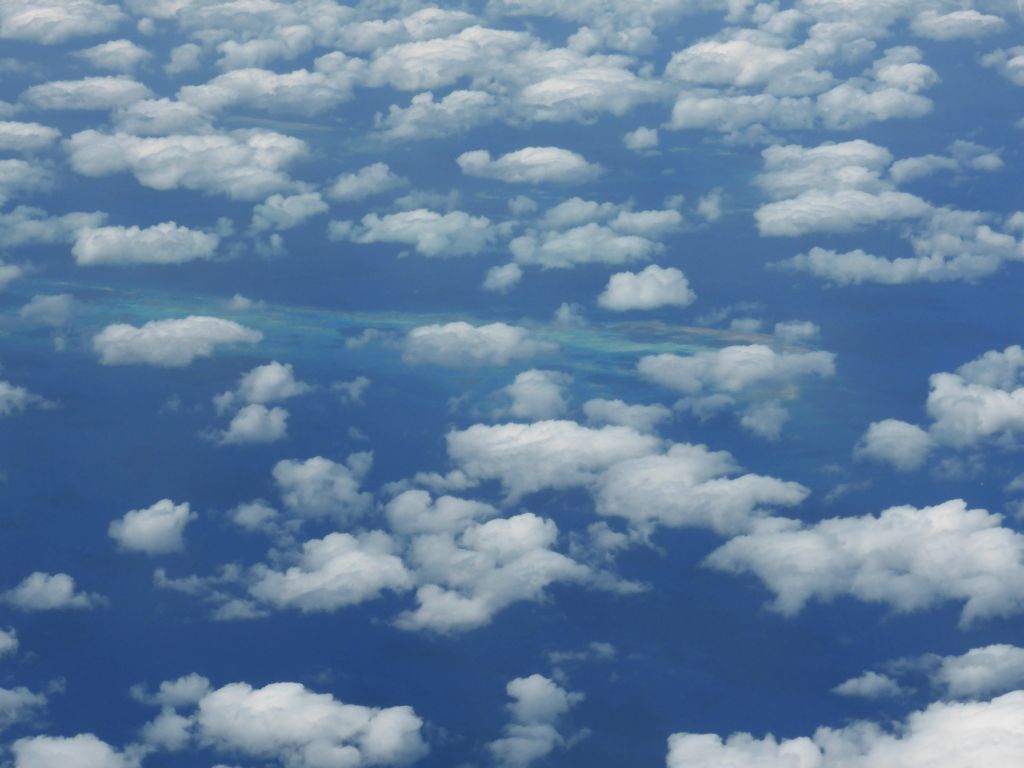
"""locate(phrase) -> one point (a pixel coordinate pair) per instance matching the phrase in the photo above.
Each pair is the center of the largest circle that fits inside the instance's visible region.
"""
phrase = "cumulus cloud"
(530, 165)
(49, 592)
(430, 233)
(26, 137)
(279, 212)
(956, 24)
(166, 243)
(1009, 62)
(54, 21)
(945, 735)
(14, 398)
(319, 487)
(426, 117)
(117, 55)
(468, 577)
(870, 685)
(263, 384)
(537, 395)
(155, 530)
(256, 424)
(54, 311)
(460, 344)
(169, 343)
(97, 93)
(538, 703)
(503, 278)
(81, 751)
(296, 727)
(891, 441)
(374, 179)
(980, 672)
(333, 572)
(544, 454)
(244, 164)
(20, 178)
(734, 369)
(691, 486)
(907, 558)
(19, 705)
(652, 288)
(8, 642)
(642, 418)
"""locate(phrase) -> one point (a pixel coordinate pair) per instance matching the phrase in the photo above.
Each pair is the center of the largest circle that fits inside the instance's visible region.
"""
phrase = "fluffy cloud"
(278, 212)
(460, 344)
(956, 24)
(530, 165)
(469, 577)
(88, 93)
(49, 592)
(588, 243)
(537, 705)
(980, 672)
(13, 398)
(155, 530)
(18, 705)
(18, 178)
(169, 343)
(544, 454)
(256, 424)
(426, 118)
(244, 164)
(503, 278)
(166, 243)
(54, 21)
(652, 288)
(907, 558)
(691, 486)
(81, 751)
(945, 735)
(904, 446)
(298, 728)
(1009, 62)
(430, 233)
(8, 642)
(642, 418)
(734, 369)
(375, 179)
(870, 685)
(263, 384)
(414, 512)
(116, 55)
(26, 137)
(537, 395)
(54, 310)
(333, 572)
(319, 487)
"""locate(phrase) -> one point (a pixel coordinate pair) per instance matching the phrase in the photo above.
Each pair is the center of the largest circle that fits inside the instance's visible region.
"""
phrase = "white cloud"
(155, 530)
(160, 117)
(169, 343)
(319, 487)
(765, 419)
(375, 179)
(430, 233)
(538, 704)
(256, 424)
(8, 642)
(870, 685)
(18, 177)
(468, 578)
(584, 244)
(19, 705)
(81, 751)
(460, 344)
(263, 384)
(244, 164)
(956, 24)
(54, 310)
(652, 288)
(426, 118)
(54, 21)
(945, 735)
(641, 139)
(691, 486)
(289, 723)
(980, 672)
(544, 454)
(414, 512)
(891, 441)
(117, 55)
(734, 369)
(537, 395)
(278, 212)
(530, 165)
(303, 91)
(13, 398)
(334, 572)
(166, 243)
(186, 57)
(26, 137)
(909, 559)
(642, 418)
(1009, 62)
(503, 278)
(98, 93)
(49, 592)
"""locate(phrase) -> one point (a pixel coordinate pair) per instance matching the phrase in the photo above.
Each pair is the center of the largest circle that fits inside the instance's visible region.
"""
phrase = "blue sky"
(511, 383)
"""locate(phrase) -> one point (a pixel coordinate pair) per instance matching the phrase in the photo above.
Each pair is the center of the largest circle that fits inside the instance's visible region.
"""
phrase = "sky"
(511, 383)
